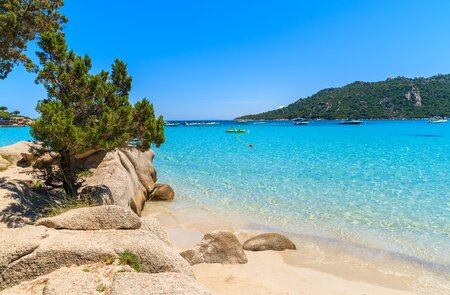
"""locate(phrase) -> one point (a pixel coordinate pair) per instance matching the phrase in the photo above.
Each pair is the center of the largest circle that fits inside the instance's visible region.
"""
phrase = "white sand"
(271, 272)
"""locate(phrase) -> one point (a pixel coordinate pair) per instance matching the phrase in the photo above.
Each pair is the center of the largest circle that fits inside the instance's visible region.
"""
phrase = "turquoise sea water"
(383, 185)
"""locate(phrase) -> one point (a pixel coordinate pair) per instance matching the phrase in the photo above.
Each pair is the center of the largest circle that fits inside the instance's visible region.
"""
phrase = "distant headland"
(394, 98)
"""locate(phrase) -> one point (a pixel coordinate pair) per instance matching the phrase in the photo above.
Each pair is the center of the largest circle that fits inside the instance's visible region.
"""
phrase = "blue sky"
(221, 59)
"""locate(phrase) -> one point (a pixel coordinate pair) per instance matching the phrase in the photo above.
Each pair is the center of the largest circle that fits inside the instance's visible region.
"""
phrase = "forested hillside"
(394, 98)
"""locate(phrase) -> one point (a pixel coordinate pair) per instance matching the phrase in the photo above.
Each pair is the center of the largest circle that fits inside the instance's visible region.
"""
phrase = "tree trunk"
(68, 176)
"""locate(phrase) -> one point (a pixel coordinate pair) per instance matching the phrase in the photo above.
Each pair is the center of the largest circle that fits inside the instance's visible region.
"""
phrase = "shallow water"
(382, 185)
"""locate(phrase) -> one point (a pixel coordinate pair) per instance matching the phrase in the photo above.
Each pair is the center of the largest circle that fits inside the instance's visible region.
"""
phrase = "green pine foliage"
(395, 98)
(22, 21)
(85, 111)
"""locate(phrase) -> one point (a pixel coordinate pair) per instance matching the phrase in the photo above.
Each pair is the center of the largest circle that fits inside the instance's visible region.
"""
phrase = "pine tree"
(84, 112)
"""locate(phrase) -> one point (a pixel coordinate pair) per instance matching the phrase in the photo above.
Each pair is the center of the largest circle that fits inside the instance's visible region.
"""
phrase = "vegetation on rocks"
(58, 206)
(101, 288)
(7, 158)
(129, 258)
(394, 98)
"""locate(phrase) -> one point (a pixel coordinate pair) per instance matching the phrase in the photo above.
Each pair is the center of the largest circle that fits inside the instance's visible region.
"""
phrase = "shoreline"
(357, 269)
(318, 266)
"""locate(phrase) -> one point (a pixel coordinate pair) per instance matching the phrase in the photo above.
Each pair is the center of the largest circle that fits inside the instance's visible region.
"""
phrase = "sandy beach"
(307, 270)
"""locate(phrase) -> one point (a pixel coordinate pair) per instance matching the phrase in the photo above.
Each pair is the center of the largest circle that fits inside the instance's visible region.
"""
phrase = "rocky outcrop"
(269, 241)
(124, 177)
(152, 225)
(217, 247)
(86, 279)
(94, 218)
(4, 164)
(96, 279)
(131, 283)
(19, 151)
(162, 192)
(415, 91)
(36, 250)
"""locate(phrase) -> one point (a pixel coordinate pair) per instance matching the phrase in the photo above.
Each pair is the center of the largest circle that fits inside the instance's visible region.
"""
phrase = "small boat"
(211, 123)
(235, 130)
(194, 124)
(170, 124)
(438, 120)
(197, 124)
(351, 122)
(300, 121)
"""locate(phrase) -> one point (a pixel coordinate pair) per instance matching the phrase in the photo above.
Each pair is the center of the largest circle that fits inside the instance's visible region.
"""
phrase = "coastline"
(347, 268)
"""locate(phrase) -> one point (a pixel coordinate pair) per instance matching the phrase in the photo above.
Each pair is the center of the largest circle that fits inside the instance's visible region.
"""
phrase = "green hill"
(395, 98)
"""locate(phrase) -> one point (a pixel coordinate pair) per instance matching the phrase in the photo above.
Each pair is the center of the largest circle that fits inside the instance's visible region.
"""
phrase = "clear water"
(384, 184)
(10, 135)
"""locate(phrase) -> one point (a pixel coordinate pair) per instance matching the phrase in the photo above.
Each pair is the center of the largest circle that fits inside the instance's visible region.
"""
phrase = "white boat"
(195, 124)
(438, 120)
(169, 124)
(300, 121)
(351, 122)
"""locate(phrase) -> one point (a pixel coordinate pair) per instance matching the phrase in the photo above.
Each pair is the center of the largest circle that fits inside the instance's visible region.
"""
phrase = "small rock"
(162, 192)
(94, 218)
(27, 157)
(156, 284)
(217, 247)
(269, 241)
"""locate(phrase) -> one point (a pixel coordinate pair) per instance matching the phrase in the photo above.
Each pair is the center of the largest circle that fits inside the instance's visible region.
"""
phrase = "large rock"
(94, 279)
(217, 247)
(16, 152)
(32, 251)
(162, 192)
(124, 177)
(4, 164)
(130, 283)
(15, 244)
(152, 225)
(94, 218)
(269, 241)
(86, 279)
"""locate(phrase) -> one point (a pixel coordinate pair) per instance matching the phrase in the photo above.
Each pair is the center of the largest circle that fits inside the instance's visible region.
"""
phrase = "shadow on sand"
(25, 205)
